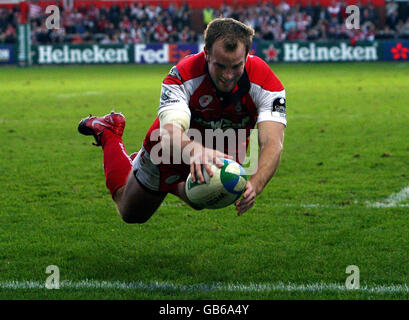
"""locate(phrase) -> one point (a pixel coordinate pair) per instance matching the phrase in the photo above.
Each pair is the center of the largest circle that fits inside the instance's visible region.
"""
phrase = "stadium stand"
(147, 23)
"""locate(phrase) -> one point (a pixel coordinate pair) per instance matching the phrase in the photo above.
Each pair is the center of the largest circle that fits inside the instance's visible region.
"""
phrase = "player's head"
(227, 44)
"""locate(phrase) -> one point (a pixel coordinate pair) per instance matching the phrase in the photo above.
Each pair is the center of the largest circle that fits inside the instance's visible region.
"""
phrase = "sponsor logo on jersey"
(223, 123)
(205, 100)
(238, 107)
(165, 94)
(174, 72)
(279, 105)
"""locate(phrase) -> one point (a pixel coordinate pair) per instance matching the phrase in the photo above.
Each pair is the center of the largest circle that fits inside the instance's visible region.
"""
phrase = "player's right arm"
(174, 117)
(174, 140)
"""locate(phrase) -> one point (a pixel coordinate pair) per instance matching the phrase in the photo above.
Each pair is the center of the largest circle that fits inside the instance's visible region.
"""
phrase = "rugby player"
(222, 87)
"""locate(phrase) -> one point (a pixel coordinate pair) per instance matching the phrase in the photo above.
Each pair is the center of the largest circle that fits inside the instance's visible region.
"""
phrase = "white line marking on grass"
(234, 287)
(393, 200)
(71, 95)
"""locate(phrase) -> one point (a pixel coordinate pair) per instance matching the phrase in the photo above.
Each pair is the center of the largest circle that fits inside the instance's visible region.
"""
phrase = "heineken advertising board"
(7, 52)
(320, 51)
(396, 50)
(112, 53)
(342, 51)
(80, 54)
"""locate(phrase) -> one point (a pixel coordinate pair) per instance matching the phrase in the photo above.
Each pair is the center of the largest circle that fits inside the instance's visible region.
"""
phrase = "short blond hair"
(231, 31)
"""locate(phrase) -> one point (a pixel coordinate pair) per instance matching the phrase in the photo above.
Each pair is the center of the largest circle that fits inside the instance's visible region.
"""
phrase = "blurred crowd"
(314, 22)
(138, 23)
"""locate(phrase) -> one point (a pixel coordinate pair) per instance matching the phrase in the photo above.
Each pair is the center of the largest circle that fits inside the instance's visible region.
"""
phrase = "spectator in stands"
(10, 34)
(184, 35)
(76, 39)
(289, 24)
(391, 7)
(267, 33)
(137, 22)
(57, 35)
(334, 10)
(106, 40)
(161, 34)
(369, 30)
(208, 15)
(283, 7)
(405, 29)
(392, 20)
(385, 34)
(400, 28)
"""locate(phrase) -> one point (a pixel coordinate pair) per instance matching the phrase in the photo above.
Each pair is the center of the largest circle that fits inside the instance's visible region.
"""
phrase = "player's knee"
(134, 220)
(134, 217)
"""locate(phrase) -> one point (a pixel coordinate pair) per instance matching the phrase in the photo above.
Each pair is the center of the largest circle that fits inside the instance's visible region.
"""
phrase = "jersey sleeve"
(174, 98)
(267, 93)
(173, 93)
(271, 106)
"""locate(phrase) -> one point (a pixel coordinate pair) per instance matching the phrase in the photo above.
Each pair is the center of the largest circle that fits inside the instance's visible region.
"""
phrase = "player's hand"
(204, 157)
(249, 197)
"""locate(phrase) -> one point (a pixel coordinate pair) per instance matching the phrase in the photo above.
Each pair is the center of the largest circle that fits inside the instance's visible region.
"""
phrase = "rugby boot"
(95, 126)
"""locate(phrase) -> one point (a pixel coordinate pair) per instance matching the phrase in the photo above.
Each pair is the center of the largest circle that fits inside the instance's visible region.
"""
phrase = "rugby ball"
(224, 188)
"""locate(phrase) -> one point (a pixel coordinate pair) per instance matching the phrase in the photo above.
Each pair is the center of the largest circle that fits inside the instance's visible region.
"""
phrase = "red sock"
(117, 164)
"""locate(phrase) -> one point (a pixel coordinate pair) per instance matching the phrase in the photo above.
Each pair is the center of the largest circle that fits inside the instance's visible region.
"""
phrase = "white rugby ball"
(224, 188)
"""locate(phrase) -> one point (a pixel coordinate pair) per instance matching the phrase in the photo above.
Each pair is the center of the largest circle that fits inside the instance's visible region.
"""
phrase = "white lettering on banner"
(304, 54)
(334, 53)
(88, 56)
(143, 55)
(4, 55)
(358, 53)
(96, 54)
(322, 54)
(346, 52)
(293, 52)
(57, 56)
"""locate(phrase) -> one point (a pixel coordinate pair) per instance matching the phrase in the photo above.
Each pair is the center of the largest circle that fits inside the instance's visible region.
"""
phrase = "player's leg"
(132, 196)
(160, 179)
(135, 204)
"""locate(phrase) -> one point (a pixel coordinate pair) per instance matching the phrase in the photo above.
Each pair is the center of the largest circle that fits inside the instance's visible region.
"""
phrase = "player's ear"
(206, 53)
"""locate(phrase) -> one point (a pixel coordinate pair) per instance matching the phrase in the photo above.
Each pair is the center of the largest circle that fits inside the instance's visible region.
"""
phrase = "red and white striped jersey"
(258, 96)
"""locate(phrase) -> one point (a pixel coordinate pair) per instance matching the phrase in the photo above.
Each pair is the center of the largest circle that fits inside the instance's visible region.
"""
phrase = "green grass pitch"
(346, 149)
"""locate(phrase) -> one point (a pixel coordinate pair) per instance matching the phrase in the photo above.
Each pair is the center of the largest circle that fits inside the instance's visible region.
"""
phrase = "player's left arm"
(271, 140)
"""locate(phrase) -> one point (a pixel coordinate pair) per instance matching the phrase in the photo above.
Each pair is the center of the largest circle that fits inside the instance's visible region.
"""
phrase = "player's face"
(225, 67)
